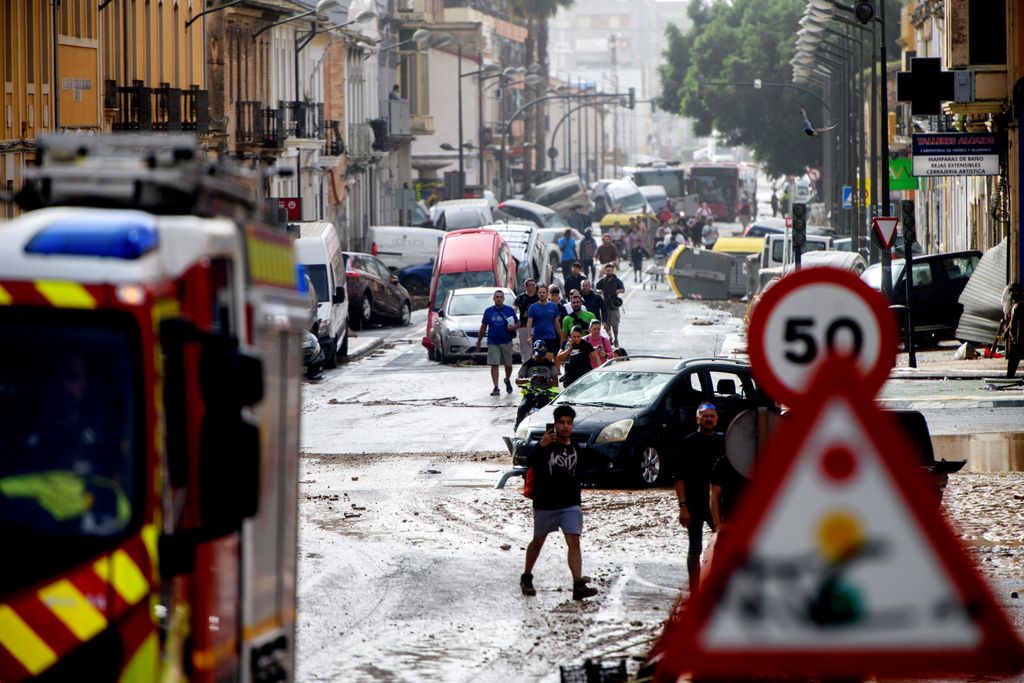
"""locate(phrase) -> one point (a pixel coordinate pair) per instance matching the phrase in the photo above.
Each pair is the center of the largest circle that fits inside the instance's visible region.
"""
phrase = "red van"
(468, 258)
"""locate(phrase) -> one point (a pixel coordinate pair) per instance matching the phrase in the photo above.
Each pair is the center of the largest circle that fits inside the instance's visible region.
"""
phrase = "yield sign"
(885, 227)
(838, 563)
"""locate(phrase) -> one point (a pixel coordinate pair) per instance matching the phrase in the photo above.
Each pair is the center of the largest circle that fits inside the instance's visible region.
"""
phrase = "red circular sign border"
(762, 370)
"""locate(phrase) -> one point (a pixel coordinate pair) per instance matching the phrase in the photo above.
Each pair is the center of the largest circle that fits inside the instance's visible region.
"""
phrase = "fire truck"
(150, 352)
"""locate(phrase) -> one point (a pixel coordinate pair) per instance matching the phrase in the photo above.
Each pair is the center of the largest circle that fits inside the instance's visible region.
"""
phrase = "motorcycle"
(535, 395)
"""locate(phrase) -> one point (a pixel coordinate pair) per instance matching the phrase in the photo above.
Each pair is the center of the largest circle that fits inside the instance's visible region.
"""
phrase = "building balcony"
(300, 121)
(256, 125)
(421, 124)
(162, 109)
(398, 120)
(334, 144)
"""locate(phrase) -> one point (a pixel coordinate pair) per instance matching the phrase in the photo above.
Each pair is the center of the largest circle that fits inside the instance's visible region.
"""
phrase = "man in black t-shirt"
(556, 501)
(611, 287)
(575, 277)
(522, 306)
(726, 488)
(694, 461)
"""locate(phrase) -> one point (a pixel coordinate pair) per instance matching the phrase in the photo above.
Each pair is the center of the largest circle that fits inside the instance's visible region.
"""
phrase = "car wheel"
(650, 466)
(431, 354)
(406, 317)
(331, 354)
(442, 358)
(366, 310)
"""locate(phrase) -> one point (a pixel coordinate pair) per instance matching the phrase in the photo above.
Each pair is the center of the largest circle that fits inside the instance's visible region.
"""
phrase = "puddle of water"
(991, 452)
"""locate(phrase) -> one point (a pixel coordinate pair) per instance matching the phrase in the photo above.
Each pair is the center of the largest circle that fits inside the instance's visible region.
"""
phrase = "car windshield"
(616, 388)
(625, 197)
(71, 441)
(873, 275)
(470, 304)
(450, 281)
(673, 180)
(318, 276)
(459, 218)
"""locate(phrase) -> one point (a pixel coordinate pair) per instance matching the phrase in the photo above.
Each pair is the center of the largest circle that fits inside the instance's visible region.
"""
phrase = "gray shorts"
(569, 520)
(499, 354)
(614, 316)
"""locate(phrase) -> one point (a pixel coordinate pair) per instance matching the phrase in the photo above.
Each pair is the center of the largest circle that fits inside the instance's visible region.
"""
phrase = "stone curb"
(364, 350)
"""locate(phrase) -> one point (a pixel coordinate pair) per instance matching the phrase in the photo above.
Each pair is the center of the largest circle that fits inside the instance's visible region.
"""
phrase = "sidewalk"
(362, 345)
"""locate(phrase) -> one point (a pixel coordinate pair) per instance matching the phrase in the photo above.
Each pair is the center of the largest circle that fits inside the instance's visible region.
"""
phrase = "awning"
(982, 298)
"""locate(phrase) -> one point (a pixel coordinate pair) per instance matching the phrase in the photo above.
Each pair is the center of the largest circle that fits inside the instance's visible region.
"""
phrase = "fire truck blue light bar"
(117, 238)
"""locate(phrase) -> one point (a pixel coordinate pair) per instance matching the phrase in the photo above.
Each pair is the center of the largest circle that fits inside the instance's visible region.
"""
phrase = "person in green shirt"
(577, 316)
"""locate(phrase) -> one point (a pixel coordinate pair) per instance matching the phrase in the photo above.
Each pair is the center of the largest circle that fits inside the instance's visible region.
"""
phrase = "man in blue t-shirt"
(567, 247)
(499, 322)
(541, 320)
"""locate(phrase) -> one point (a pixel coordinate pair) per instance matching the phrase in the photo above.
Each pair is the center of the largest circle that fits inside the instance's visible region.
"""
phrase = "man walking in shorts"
(556, 501)
(541, 320)
(499, 321)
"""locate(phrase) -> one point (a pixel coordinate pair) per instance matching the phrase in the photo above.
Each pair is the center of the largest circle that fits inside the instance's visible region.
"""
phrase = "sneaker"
(580, 590)
(526, 584)
(496, 392)
(508, 386)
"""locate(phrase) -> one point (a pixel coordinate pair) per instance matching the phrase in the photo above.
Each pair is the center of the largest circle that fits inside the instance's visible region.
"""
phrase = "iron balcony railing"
(256, 125)
(303, 120)
(160, 109)
(334, 145)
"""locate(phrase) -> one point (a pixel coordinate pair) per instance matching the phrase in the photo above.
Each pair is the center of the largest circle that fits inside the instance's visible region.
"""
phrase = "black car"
(938, 280)
(632, 413)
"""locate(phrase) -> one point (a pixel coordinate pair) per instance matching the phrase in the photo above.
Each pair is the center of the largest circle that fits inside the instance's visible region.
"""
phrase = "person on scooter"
(538, 380)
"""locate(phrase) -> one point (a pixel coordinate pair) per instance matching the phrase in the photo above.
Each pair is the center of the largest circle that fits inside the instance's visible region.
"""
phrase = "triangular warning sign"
(839, 563)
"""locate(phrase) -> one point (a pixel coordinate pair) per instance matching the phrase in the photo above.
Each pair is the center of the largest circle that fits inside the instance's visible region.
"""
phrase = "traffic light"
(631, 102)
(864, 11)
(799, 224)
(909, 225)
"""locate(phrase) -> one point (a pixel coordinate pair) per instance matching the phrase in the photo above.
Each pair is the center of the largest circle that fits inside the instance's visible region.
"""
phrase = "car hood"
(590, 419)
(468, 323)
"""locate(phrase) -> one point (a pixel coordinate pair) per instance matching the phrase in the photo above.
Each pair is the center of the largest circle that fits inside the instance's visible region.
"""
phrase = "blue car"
(416, 279)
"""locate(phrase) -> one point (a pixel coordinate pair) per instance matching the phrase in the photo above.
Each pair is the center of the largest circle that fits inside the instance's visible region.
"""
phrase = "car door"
(389, 295)
(730, 390)
(686, 394)
(925, 305)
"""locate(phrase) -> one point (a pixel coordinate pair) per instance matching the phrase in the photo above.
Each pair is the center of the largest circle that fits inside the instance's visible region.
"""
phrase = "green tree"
(739, 42)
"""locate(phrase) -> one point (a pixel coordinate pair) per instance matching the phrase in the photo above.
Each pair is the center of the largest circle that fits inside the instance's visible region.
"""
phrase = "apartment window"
(44, 48)
(76, 17)
(30, 42)
(160, 43)
(987, 19)
(89, 8)
(147, 47)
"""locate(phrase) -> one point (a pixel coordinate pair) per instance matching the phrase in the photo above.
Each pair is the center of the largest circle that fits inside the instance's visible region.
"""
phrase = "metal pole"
(579, 133)
(884, 170)
(295, 110)
(462, 170)
(480, 117)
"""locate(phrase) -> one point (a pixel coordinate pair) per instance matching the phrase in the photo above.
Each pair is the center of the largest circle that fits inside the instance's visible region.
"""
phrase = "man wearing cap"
(693, 463)
(536, 376)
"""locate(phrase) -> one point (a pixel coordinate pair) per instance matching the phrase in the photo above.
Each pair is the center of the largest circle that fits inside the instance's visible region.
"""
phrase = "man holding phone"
(556, 501)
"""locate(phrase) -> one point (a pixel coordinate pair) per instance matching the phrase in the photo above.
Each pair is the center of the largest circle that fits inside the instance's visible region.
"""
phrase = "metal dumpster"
(695, 273)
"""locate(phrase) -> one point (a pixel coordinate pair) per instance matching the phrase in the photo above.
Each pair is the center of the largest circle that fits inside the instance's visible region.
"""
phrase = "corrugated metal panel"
(982, 298)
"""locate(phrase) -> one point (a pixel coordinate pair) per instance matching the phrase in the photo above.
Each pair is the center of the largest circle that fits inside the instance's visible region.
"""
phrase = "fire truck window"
(70, 444)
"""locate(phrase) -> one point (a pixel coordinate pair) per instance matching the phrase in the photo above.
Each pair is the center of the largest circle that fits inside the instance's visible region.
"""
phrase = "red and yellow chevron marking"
(39, 627)
(54, 293)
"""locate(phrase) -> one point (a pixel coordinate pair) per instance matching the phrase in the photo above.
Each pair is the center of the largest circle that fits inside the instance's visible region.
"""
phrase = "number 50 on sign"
(812, 314)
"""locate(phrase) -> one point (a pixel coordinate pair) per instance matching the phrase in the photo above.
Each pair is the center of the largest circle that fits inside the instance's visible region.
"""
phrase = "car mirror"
(440, 314)
(339, 294)
(393, 279)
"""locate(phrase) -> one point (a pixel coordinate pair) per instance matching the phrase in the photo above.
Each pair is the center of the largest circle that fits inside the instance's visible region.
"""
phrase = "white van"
(318, 250)
(400, 247)
(778, 249)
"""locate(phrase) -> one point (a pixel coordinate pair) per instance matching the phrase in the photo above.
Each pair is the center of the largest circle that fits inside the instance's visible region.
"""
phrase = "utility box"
(963, 86)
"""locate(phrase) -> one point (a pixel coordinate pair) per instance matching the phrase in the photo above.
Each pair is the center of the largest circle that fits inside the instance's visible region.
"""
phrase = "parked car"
(599, 198)
(467, 258)
(312, 356)
(455, 333)
(562, 194)
(374, 292)
(416, 279)
(938, 280)
(529, 250)
(538, 214)
(461, 214)
(318, 250)
(768, 225)
(623, 196)
(630, 414)
(402, 246)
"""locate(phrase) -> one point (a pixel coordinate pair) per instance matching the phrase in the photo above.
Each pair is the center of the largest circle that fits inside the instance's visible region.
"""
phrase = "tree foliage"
(739, 42)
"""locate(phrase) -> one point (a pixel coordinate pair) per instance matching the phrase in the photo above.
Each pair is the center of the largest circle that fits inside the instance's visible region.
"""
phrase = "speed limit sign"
(812, 314)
